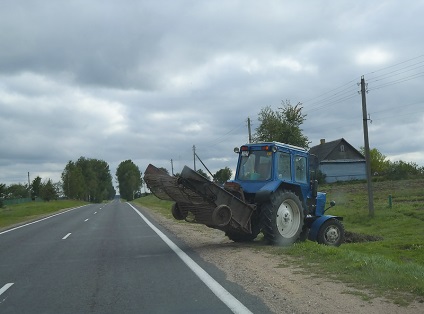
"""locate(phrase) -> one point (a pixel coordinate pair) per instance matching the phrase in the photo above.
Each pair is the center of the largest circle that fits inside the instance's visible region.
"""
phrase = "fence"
(12, 201)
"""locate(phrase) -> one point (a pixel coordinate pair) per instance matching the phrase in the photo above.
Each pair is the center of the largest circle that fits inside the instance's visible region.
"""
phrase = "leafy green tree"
(223, 175)
(35, 187)
(3, 190)
(400, 170)
(129, 179)
(17, 191)
(47, 191)
(87, 179)
(2, 193)
(73, 182)
(282, 125)
(379, 163)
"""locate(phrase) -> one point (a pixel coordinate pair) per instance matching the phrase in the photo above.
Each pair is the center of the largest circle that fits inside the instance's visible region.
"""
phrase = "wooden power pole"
(249, 130)
(194, 157)
(367, 147)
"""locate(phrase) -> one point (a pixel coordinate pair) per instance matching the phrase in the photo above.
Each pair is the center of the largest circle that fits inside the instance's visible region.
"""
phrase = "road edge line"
(226, 297)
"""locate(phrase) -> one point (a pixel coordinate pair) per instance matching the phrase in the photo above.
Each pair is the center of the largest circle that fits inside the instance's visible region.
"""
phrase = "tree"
(35, 187)
(47, 191)
(399, 170)
(282, 125)
(379, 164)
(73, 182)
(87, 179)
(129, 179)
(2, 193)
(17, 191)
(223, 175)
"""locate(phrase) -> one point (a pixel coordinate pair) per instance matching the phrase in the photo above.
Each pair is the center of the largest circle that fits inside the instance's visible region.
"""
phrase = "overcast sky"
(147, 80)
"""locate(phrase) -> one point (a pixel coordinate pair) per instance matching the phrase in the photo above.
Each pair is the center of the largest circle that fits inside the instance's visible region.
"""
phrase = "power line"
(394, 65)
(382, 77)
(328, 92)
(397, 107)
(222, 137)
(398, 81)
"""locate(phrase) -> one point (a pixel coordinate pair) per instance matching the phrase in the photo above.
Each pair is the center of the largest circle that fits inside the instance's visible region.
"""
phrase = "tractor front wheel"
(282, 218)
(331, 233)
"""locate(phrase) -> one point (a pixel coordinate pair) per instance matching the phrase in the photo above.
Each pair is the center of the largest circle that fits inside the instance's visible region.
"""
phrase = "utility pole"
(194, 157)
(29, 188)
(367, 147)
(172, 167)
(250, 132)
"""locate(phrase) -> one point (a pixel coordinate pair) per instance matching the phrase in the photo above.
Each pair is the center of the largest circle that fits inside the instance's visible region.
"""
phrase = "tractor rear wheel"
(282, 218)
(331, 233)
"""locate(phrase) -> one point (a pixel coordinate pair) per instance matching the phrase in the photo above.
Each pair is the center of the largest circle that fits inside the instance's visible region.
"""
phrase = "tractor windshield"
(255, 165)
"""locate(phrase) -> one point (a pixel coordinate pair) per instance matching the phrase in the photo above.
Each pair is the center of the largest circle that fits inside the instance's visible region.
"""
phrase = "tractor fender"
(316, 225)
(264, 193)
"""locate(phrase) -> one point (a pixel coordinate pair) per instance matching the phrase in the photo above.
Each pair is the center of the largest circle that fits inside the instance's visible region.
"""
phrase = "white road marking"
(5, 287)
(234, 305)
(95, 213)
(65, 237)
(86, 220)
(34, 222)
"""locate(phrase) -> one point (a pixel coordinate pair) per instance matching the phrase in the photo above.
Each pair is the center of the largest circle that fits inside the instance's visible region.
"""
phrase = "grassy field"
(393, 266)
(15, 214)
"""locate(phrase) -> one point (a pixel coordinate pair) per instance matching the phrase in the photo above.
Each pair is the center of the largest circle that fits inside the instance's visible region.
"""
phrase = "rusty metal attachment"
(199, 200)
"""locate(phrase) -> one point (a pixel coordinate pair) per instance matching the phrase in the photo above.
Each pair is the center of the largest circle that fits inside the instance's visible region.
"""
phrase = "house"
(340, 161)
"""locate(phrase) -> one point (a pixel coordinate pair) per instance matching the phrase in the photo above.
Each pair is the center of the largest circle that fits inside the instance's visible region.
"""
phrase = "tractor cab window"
(256, 165)
(300, 168)
(284, 166)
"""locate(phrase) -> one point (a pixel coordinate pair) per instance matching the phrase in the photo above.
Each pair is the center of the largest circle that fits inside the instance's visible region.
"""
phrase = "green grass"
(19, 213)
(153, 203)
(392, 267)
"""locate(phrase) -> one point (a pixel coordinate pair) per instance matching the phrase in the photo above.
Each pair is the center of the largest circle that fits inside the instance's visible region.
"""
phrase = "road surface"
(109, 258)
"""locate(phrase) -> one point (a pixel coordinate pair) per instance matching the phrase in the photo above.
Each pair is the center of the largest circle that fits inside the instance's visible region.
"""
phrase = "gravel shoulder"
(282, 286)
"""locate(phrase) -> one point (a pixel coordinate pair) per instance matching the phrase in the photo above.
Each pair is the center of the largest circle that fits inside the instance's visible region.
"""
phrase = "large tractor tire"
(282, 218)
(331, 233)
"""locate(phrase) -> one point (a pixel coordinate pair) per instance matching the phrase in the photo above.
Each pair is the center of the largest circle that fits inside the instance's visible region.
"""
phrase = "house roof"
(322, 151)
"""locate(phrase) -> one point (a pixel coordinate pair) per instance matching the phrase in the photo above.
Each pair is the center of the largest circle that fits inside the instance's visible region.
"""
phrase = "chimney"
(322, 141)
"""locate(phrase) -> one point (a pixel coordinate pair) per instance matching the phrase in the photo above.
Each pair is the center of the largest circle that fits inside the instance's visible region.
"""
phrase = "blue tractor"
(274, 192)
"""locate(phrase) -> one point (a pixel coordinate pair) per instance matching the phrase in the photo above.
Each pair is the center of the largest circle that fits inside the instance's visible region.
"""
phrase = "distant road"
(109, 258)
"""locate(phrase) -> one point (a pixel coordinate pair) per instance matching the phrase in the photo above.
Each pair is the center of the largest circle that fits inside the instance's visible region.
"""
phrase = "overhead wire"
(348, 91)
(394, 65)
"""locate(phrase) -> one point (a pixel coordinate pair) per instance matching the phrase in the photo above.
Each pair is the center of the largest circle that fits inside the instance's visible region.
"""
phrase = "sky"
(148, 80)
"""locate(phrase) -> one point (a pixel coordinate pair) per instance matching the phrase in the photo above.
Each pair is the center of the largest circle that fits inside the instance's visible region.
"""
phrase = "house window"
(342, 149)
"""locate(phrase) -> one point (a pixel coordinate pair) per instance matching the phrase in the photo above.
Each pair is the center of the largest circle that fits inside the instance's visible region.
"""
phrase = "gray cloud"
(147, 80)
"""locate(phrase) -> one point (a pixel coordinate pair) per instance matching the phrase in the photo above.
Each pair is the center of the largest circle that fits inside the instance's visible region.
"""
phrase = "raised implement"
(200, 200)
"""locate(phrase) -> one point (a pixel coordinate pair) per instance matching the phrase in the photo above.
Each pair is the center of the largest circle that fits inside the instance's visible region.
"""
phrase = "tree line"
(85, 179)
(383, 168)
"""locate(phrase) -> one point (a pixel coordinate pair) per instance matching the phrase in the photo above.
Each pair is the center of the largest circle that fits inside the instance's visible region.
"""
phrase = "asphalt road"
(109, 258)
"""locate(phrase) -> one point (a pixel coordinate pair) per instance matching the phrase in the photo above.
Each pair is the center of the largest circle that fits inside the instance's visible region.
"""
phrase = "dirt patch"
(276, 279)
(352, 237)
